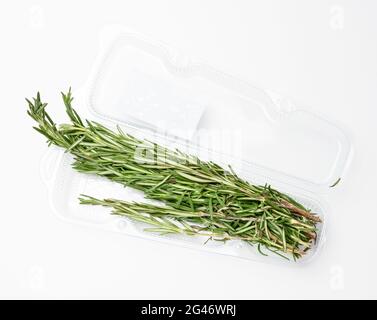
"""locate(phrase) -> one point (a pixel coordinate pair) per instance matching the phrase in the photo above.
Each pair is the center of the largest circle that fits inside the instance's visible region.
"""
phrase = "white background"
(323, 53)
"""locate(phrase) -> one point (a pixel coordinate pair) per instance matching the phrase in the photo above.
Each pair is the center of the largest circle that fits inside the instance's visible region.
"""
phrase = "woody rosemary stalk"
(201, 197)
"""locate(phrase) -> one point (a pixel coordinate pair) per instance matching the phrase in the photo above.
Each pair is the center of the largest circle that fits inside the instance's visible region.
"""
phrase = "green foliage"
(201, 197)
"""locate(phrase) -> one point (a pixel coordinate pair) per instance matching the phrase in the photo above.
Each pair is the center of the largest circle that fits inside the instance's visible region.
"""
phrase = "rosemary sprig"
(214, 225)
(195, 191)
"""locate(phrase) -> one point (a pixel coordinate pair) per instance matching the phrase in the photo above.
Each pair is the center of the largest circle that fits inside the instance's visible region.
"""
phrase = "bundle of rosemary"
(201, 198)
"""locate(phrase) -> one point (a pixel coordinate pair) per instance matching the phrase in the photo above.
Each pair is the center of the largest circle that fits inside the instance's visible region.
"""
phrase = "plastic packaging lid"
(149, 86)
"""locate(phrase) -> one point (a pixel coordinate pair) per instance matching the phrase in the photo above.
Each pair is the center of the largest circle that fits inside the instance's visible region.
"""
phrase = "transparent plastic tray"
(156, 92)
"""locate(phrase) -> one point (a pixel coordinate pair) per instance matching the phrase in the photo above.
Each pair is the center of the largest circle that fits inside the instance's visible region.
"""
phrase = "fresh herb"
(201, 197)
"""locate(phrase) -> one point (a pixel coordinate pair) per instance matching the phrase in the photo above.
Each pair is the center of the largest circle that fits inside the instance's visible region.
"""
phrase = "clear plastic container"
(156, 92)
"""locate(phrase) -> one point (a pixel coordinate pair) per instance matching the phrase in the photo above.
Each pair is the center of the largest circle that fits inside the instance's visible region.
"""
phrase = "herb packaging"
(154, 92)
